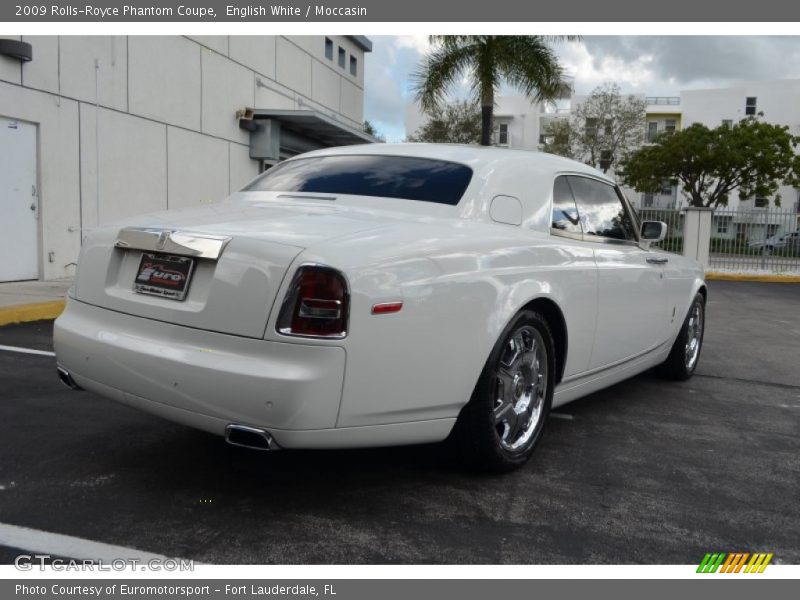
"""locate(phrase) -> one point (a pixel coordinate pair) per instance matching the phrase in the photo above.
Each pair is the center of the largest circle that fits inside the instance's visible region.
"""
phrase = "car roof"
(477, 157)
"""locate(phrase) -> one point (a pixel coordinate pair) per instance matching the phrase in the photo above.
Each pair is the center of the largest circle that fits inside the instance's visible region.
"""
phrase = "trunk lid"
(240, 253)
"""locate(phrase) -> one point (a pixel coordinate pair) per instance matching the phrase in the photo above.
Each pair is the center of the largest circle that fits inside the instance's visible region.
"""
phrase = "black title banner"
(407, 10)
(349, 589)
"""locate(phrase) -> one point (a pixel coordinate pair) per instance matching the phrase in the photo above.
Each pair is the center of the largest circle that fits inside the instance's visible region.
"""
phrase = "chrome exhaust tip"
(67, 380)
(249, 437)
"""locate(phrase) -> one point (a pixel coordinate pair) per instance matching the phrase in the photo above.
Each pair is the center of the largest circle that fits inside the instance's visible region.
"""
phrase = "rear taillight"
(316, 305)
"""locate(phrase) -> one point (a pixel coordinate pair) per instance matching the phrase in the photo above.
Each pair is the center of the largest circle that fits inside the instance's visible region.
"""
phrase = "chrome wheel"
(694, 334)
(520, 389)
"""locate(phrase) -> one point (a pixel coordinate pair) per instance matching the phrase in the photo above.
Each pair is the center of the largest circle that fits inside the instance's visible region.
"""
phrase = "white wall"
(149, 122)
(518, 112)
(522, 118)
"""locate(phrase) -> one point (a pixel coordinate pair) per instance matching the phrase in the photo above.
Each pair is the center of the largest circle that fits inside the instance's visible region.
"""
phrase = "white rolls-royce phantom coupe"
(381, 295)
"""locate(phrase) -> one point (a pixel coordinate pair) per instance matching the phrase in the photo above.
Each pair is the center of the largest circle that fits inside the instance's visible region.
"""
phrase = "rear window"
(404, 177)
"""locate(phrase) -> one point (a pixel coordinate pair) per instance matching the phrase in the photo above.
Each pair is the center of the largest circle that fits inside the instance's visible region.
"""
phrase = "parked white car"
(381, 295)
(790, 240)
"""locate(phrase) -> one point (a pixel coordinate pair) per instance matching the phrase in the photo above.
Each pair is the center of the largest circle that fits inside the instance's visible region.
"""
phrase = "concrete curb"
(753, 277)
(36, 311)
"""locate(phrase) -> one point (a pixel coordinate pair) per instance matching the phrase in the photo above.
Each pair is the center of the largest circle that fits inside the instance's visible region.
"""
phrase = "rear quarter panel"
(461, 283)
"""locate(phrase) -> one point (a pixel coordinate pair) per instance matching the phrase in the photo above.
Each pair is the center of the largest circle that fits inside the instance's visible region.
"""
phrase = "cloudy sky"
(657, 66)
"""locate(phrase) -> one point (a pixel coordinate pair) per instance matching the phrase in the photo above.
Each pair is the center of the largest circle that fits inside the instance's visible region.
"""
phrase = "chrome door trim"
(168, 241)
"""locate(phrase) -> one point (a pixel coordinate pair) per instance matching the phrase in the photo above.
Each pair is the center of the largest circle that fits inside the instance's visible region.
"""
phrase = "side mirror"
(654, 231)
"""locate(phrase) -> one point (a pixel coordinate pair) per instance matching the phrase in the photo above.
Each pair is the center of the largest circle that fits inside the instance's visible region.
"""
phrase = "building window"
(666, 188)
(353, 66)
(722, 224)
(342, 57)
(591, 127)
(647, 200)
(750, 106)
(605, 160)
(669, 125)
(502, 134)
(608, 127)
(329, 48)
(727, 122)
(761, 202)
(652, 131)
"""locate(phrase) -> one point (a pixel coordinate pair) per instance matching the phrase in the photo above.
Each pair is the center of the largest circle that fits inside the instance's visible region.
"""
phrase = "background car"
(789, 240)
(382, 295)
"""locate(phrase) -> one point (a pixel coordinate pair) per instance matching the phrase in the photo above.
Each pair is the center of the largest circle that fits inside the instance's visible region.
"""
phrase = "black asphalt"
(647, 471)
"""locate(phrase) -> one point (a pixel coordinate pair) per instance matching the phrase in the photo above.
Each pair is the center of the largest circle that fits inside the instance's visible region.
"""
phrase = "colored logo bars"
(735, 562)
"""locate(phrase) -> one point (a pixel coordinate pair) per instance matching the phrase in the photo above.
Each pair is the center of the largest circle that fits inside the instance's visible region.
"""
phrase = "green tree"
(561, 138)
(369, 129)
(751, 156)
(454, 123)
(525, 62)
(601, 130)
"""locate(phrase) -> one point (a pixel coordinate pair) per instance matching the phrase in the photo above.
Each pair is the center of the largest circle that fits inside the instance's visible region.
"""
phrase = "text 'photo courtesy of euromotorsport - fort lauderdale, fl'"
(169, 590)
(356, 300)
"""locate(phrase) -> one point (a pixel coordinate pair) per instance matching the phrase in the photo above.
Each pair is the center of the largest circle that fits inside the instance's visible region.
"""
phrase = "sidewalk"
(32, 300)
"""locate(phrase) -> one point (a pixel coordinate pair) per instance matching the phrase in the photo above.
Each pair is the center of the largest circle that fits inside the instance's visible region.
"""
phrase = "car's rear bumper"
(236, 379)
(209, 380)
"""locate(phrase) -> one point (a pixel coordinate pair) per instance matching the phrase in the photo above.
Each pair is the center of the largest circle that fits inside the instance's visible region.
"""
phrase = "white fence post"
(697, 234)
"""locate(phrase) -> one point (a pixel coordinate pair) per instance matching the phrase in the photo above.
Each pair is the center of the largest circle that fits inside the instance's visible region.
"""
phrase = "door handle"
(657, 261)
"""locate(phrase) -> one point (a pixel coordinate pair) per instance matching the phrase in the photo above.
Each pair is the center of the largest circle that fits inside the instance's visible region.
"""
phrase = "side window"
(601, 209)
(565, 213)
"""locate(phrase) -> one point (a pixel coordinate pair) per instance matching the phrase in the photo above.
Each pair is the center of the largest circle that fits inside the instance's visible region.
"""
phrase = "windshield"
(405, 177)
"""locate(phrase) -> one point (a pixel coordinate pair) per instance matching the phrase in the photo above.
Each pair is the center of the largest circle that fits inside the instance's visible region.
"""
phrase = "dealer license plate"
(164, 275)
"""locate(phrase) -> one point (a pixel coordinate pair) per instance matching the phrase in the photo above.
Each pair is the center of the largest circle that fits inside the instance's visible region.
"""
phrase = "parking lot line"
(26, 350)
(56, 544)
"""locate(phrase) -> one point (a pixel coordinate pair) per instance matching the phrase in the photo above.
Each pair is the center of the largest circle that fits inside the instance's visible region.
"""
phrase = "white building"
(778, 100)
(94, 129)
(517, 121)
(744, 218)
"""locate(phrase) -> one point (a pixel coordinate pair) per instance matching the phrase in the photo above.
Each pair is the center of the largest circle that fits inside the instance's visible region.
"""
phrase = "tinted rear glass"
(404, 177)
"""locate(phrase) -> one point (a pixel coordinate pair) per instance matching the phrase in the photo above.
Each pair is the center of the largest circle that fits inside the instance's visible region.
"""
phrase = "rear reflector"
(386, 308)
(316, 304)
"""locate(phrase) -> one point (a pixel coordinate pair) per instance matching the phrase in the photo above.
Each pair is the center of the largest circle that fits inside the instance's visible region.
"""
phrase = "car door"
(631, 299)
(576, 273)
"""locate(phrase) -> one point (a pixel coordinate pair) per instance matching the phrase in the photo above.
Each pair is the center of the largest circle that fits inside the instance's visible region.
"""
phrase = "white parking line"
(55, 544)
(26, 350)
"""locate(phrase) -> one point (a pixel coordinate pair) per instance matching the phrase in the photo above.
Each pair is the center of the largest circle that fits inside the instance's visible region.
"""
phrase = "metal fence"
(742, 240)
(760, 239)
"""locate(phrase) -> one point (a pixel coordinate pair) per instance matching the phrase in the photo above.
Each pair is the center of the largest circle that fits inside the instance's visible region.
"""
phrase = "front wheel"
(502, 423)
(682, 360)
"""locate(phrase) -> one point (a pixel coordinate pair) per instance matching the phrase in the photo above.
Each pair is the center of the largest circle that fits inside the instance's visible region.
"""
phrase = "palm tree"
(526, 62)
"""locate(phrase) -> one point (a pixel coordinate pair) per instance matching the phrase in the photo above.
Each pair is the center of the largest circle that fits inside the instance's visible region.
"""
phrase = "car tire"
(685, 353)
(500, 426)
